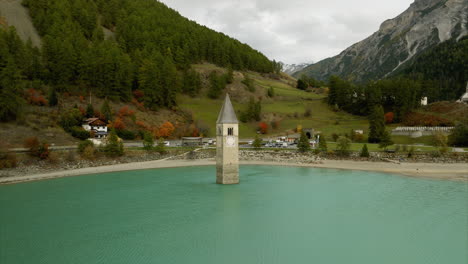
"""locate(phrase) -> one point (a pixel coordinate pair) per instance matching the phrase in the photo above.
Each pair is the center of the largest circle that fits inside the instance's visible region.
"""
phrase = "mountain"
(293, 68)
(424, 25)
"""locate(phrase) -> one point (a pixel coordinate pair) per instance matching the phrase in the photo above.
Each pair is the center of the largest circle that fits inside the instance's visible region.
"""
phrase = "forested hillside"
(150, 49)
(443, 70)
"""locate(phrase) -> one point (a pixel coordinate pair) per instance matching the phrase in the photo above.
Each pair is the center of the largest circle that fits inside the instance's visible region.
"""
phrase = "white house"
(424, 101)
(96, 125)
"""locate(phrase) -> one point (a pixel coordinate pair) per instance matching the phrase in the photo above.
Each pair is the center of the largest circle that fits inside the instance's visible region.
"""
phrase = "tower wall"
(227, 156)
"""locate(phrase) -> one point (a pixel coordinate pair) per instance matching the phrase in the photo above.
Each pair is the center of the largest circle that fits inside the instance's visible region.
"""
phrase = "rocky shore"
(449, 166)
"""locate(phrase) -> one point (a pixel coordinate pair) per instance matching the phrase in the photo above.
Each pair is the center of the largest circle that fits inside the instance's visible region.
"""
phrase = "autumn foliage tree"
(166, 130)
(263, 127)
(389, 117)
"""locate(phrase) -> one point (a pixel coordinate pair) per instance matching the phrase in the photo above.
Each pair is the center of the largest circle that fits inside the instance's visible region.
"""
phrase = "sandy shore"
(455, 171)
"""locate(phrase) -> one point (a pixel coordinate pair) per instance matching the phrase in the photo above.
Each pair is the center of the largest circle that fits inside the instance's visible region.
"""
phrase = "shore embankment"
(436, 170)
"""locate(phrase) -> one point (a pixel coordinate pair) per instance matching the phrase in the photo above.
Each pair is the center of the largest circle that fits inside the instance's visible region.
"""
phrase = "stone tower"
(227, 145)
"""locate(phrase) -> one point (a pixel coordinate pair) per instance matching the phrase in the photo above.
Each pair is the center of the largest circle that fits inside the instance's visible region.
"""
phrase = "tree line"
(147, 47)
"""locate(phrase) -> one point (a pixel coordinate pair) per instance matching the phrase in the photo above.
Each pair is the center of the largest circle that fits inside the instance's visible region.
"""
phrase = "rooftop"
(227, 114)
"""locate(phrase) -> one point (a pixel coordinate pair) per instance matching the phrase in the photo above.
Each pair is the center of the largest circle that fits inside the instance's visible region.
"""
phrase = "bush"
(160, 147)
(126, 134)
(80, 133)
(89, 152)
(114, 146)
(7, 160)
(323, 143)
(263, 127)
(411, 152)
(303, 145)
(271, 92)
(257, 143)
(308, 112)
(343, 145)
(364, 152)
(70, 119)
(32, 144)
(459, 135)
(148, 141)
(83, 144)
(335, 137)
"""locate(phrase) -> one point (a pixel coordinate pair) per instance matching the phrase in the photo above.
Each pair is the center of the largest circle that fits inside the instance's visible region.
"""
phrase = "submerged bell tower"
(227, 145)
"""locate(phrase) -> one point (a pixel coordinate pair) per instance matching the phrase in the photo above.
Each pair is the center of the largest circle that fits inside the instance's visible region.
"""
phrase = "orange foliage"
(82, 99)
(420, 119)
(35, 98)
(140, 106)
(389, 117)
(118, 124)
(194, 132)
(125, 111)
(82, 110)
(166, 130)
(138, 94)
(142, 125)
(263, 127)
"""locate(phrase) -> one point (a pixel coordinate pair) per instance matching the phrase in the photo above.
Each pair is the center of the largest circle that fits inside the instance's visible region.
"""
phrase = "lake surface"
(276, 215)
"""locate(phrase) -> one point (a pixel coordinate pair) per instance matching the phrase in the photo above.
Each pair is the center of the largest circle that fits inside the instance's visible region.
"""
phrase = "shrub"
(32, 144)
(459, 135)
(71, 118)
(43, 151)
(114, 146)
(271, 92)
(35, 98)
(166, 130)
(7, 160)
(335, 137)
(89, 152)
(364, 152)
(160, 147)
(343, 145)
(249, 84)
(263, 127)
(83, 144)
(389, 117)
(323, 143)
(411, 152)
(126, 134)
(80, 133)
(303, 145)
(308, 112)
(148, 141)
(257, 143)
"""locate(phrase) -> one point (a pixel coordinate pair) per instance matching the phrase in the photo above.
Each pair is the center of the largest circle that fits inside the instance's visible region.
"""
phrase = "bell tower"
(227, 145)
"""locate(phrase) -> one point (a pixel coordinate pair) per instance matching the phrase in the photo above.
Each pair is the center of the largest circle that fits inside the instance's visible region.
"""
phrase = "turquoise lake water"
(276, 215)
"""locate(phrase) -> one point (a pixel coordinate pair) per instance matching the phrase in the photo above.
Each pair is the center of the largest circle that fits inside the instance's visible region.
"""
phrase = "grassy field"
(288, 107)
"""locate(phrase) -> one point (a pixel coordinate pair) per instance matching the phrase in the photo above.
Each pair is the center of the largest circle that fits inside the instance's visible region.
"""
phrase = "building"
(424, 101)
(192, 141)
(227, 147)
(97, 126)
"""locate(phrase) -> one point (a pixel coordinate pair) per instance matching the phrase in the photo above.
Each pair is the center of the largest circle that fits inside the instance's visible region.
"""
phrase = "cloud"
(293, 31)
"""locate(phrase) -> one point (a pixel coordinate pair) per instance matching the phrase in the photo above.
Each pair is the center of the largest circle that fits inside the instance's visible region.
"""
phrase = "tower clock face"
(230, 141)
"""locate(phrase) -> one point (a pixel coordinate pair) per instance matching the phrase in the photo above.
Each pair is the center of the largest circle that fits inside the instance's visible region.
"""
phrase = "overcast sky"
(293, 31)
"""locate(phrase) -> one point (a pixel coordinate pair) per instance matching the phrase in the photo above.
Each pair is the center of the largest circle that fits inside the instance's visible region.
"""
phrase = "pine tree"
(322, 143)
(303, 145)
(53, 100)
(257, 143)
(114, 146)
(376, 124)
(10, 90)
(364, 152)
(107, 111)
(148, 141)
(90, 111)
(385, 140)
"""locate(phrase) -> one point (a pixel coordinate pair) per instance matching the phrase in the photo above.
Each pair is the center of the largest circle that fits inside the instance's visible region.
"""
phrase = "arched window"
(230, 131)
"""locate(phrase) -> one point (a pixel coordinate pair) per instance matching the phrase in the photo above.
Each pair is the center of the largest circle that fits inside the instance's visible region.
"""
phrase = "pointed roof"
(227, 114)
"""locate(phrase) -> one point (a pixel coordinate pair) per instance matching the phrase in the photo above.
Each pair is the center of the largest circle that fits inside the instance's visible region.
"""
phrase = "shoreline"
(443, 171)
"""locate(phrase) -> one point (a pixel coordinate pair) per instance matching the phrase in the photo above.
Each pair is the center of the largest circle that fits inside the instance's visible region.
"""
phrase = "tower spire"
(227, 115)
